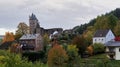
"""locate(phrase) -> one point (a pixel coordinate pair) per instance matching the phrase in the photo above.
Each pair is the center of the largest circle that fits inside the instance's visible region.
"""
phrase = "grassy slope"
(101, 59)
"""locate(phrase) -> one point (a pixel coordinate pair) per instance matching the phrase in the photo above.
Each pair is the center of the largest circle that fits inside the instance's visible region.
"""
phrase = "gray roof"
(101, 33)
(29, 36)
(33, 17)
(113, 44)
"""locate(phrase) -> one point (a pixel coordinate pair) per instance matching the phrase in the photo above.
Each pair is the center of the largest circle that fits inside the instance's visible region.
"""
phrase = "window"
(119, 49)
(102, 39)
(95, 39)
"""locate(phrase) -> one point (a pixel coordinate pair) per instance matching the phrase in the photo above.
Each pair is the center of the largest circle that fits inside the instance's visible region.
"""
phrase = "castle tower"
(34, 25)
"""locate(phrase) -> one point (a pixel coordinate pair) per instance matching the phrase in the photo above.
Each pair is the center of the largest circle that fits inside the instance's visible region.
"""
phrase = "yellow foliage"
(1, 58)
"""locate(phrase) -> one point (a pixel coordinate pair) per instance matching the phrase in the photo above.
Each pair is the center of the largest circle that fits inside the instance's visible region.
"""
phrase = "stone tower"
(34, 24)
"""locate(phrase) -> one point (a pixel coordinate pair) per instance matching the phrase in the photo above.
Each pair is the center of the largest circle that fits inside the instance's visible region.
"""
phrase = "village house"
(113, 49)
(31, 42)
(103, 36)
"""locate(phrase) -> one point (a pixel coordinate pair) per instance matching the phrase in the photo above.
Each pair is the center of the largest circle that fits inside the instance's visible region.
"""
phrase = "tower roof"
(33, 17)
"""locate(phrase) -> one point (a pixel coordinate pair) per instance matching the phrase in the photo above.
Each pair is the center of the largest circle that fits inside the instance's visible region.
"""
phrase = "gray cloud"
(53, 13)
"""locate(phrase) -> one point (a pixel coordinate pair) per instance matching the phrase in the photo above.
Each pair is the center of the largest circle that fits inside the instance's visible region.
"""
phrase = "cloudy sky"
(52, 13)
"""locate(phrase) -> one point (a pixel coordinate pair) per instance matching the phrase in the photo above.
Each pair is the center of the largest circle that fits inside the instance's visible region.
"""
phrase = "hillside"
(109, 20)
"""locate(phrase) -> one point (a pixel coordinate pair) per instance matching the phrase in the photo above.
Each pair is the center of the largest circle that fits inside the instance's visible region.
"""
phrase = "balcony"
(110, 52)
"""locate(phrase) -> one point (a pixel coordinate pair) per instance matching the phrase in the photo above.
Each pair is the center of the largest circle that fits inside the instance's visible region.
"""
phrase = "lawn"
(99, 60)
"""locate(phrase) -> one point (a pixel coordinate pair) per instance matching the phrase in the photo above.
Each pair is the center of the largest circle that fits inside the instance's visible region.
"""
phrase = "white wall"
(99, 40)
(117, 53)
(109, 36)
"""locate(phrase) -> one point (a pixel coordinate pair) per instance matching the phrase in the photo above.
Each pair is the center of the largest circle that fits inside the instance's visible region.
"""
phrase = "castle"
(34, 40)
(35, 27)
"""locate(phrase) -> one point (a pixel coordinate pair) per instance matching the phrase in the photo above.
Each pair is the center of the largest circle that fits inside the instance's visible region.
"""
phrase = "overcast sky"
(52, 13)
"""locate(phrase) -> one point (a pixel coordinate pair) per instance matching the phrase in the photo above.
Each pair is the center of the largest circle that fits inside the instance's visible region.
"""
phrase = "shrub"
(57, 56)
(98, 48)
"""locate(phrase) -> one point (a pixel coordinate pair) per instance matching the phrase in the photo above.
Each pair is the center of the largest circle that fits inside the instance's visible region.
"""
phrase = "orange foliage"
(57, 56)
(8, 37)
(90, 50)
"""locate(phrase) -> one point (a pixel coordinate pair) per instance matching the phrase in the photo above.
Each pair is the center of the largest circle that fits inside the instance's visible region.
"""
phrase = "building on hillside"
(35, 28)
(113, 49)
(103, 36)
(31, 42)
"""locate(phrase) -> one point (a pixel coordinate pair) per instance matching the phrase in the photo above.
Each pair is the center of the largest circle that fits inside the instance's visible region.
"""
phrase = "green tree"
(72, 52)
(112, 21)
(22, 29)
(46, 40)
(117, 29)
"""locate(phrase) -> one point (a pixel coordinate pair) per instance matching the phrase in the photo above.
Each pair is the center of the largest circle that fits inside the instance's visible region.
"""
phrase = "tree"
(8, 37)
(90, 50)
(46, 40)
(72, 52)
(22, 29)
(88, 34)
(57, 56)
(79, 41)
(117, 29)
(98, 48)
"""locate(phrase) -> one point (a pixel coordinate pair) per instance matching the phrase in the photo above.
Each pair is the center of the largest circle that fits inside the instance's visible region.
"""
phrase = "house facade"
(113, 49)
(31, 42)
(103, 36)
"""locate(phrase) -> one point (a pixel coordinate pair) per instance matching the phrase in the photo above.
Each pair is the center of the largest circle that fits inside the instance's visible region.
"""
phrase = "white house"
(113, 49)
(103, 36)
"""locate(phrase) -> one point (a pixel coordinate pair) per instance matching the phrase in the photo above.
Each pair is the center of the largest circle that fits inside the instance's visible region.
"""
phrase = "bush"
(98, 48)
(57, 56)
(14, 60)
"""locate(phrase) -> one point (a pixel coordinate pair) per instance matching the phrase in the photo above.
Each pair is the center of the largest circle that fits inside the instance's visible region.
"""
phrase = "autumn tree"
(79, 41)
(90, 49)
(57, 56)
(9, 36)
(22, 29)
